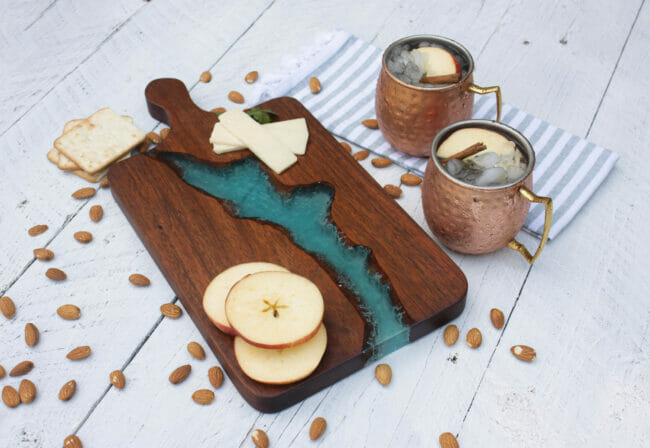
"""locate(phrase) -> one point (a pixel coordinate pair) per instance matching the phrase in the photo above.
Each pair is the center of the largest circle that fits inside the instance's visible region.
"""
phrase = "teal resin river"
(305, 214)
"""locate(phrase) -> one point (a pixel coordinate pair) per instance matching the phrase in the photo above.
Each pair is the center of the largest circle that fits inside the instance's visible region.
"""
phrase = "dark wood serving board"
(192, 237)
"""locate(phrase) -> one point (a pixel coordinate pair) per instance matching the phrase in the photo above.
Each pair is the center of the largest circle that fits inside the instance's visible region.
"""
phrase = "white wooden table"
(584, 306)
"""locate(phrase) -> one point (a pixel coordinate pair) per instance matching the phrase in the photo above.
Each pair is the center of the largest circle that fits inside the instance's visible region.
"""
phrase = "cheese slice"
(266, 146)
(293, 133)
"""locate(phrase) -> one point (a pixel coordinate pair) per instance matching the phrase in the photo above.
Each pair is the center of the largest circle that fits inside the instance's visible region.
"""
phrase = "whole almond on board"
(170, 310)
(370, 123)
(447, 440)
(384, 374)
(317, 428)
(196, 350)
(139, 280)
(496, 316)
(27, 391)
(411, 179)
(153, 137)
(393, 191)
(37, 230)
(2, 372)
(67, 390)
(117, 379)
(22, 368)
(251, 77)
(218, 110)
(55, 274)
(78, 353)
(10, 396)
(7, 307)
(381, 162)
(361, 155)
(206, 77)
(524, 352)
(203, 396)
(347, 146)
(72, 441)
(236, 97)
(260, 439)
(180, 373)
(43, 254)
(31, 334)
(83, 237)
(450, 335)
(474, 338)
(96, 212)
(215, 375)
(84, 193)
(69, 312)
(164, 132)
(314, 84)
(104, 183)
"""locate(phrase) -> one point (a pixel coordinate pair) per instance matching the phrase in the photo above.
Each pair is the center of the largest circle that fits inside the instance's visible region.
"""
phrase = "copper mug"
(410, 116)
(476, 220)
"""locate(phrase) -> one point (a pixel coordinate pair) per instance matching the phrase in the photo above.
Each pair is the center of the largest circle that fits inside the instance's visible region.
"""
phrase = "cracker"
(53, 156)
(64, 162)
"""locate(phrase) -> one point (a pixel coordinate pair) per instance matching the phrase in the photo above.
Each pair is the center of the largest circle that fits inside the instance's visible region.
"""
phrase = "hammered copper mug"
(410, 116)
(476, 220)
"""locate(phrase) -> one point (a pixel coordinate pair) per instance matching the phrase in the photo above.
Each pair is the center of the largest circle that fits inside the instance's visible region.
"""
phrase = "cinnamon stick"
(467, 152)
(441, 79)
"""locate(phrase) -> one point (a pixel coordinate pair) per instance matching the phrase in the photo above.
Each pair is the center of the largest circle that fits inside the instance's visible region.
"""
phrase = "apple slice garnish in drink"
(275, 309)
(437, 61)
(466, 137)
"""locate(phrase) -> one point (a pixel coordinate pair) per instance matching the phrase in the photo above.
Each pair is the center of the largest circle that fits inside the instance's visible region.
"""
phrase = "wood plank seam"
(310, 419)
(40, 15)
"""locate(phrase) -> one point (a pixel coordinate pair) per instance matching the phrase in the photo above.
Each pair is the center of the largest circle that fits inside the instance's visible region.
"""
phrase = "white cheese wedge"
(266, 146)
(293, 133)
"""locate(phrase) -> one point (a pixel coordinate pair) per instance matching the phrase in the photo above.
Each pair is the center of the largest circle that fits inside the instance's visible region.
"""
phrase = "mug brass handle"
(483, 90)
(548, 215)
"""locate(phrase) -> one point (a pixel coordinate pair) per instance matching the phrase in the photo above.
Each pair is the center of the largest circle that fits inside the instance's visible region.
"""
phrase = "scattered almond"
(393, 191)
(370, 123)
(55, 274)
(67, 390)
(22, 368)
(196, 350)
(215, 375)
(69, 312)
(474, 338)
(96, 212)
(117, 379)
(2, 372)
(153, 137)
(31, 334)
(10, 396)
(139, 280)
(361, 155)
(84, 193)
(236, 97)
(78, 353)
(180, 374)
(447, 440)
(104, 183)
(72, 441)
(450, 335)
(251, 77)
(410, 179)
(314, 84)
(317, 428)
(206, 77)
(384, 374)
(496, 316)
(381, 162)
(347, 146)
(83, 237)
(43, 254)
(27, 391)
(203, 396)
(37, 230)
(218, 110)
(7, 307)
(170, 310)
(524, 352)
(164, 132)
(260, 439)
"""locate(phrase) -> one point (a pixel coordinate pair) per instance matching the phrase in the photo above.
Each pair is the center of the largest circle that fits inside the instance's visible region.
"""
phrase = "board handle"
(166, 97)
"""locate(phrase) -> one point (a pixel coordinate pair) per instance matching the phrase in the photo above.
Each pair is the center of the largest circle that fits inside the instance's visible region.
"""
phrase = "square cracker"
(99, 140)
(64, 161)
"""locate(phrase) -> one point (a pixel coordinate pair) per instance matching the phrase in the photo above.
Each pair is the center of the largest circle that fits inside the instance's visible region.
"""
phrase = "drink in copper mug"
(410, 113)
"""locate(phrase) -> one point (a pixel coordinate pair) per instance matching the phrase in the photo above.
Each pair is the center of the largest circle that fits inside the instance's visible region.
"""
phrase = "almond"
(104, 183)
(347, 146)
(251, 77)
(69, 312)
(10, 396)
(381, 162)
(96, 212)
(78, 353)
(83, 237)
(7, 307)
(203, 396)
(447, 440)
(84, 193)
(361, 155)
(37, 230)
(236, 97)
(260, 439)
(196, 350)
(55, 274)
(117, 379)
(31, 334)
(218, 110)
(144, 145)
(410, 179)
(393, 190)
(215, 375)
(164, 132)
(314, 84)
(139, 280)
(496, 316)
(474, 338)
(317, 428)
(67, 390)
(170, 310)
(450, 335)
(180, 374)
(2, 372)
(370, 123)
(153, 137)
(206, 77)
(27, 391)
(22, 368)
(72, 441)
(524, 352)
(43, 254)
(384, 374)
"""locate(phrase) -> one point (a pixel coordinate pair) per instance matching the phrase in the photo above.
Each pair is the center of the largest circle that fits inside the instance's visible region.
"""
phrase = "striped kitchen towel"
(569, 169)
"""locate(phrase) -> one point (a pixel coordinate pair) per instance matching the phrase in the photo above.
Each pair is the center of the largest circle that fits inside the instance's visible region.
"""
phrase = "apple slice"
(281, 366)
(214, 298)
(465, 137)
(437, 61)
(275, 309)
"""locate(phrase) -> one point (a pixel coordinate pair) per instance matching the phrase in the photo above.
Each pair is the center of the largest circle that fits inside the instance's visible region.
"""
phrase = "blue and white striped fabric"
(568, 169)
